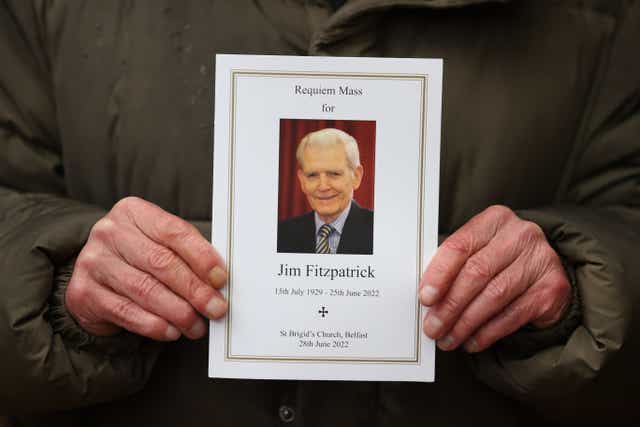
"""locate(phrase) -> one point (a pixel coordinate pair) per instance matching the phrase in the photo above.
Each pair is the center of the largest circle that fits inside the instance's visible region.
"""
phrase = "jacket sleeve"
(46, 361)
(595, 228)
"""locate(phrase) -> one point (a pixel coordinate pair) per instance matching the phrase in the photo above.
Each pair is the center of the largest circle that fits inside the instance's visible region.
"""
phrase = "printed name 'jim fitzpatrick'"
(315, 270)
(325, 208)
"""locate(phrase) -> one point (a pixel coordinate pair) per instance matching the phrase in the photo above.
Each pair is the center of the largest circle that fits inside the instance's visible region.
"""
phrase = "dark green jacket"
(106, 99)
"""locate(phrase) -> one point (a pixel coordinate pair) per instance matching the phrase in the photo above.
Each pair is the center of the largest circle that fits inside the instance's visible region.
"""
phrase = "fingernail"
(217, 277)
(471, 346)
(198, 329)
(446, 342)
(433, 324)
(428, 294)
(216, 307)
(172, 333)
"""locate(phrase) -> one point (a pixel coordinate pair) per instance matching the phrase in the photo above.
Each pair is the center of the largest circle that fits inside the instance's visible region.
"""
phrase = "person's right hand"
(147, 271)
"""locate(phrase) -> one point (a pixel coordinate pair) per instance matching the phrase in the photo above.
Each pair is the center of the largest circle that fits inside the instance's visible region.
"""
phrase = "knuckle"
(437, 269)
(202, 249)
(530, 231)
(519, 314)
(160, 258)
(199, 249)
(460, 243)
(124, 310)
(464, 327)
(450, 306)
(196, 291)
(127, 203)
(477, 269)
(171, 228)
(102, 230)
(88, 259)
(498, 291)
(500, 212)
(145, 286)
(512, 312)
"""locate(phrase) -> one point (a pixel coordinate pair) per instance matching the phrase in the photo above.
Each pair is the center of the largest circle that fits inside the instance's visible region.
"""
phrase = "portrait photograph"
(326, 186)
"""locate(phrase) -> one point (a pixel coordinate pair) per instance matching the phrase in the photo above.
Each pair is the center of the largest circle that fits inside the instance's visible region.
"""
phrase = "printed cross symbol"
(323, 312)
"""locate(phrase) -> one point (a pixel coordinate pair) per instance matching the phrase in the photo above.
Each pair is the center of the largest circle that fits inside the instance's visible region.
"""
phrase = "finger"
(457, 248)
(150, 294)
(510, 241)
(166, 266)
(77, 301)
(178, 235)
(127, 314)
(498, 294)
(519, 313)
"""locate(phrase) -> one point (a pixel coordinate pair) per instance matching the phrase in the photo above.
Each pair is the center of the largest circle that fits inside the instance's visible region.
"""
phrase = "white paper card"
(294, 313)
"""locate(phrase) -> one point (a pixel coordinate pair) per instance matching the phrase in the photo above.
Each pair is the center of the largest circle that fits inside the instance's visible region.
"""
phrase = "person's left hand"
(491, 277)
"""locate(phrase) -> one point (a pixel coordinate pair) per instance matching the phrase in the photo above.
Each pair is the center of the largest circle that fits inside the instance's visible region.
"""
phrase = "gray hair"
(331, 136)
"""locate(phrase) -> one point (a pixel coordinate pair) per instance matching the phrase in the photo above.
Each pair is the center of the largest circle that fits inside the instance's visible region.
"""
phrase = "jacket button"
(287, 414)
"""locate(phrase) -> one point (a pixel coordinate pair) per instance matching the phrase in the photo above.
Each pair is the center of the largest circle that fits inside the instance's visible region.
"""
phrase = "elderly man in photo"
(329, 172)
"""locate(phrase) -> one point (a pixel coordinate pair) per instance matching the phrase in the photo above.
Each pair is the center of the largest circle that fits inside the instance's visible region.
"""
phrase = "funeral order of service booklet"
(325, 209)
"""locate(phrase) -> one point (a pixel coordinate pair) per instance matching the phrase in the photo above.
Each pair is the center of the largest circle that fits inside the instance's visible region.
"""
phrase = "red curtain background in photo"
(291, 200)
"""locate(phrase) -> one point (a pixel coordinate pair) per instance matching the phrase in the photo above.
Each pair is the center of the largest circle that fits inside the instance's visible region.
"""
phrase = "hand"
(147, 271)
(488, 279)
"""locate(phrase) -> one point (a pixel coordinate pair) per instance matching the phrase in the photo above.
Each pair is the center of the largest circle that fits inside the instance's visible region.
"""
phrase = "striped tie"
(322, 247)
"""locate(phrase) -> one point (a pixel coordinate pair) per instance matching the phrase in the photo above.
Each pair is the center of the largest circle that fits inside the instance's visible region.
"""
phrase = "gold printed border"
(423, 79)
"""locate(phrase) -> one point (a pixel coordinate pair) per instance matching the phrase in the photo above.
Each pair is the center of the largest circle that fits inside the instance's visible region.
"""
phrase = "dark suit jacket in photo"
(298, 234)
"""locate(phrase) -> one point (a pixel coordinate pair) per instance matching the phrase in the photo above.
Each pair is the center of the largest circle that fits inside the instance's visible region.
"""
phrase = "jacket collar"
(434, 3)
(343, 22)
(360, 6)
